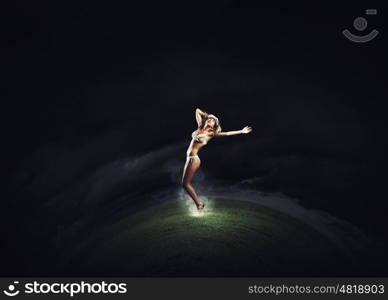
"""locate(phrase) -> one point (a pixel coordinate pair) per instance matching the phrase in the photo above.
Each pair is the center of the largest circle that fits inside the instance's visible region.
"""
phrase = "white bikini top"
(200, 138)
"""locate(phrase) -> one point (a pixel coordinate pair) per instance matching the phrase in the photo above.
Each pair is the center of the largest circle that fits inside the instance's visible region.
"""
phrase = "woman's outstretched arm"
(200, 116)
(245, 130)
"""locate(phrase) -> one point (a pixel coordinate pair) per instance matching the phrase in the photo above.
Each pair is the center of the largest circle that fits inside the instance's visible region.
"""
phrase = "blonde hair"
(217, 127)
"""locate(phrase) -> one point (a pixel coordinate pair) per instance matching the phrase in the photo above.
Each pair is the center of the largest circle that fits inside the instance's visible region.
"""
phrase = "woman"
(208, 127)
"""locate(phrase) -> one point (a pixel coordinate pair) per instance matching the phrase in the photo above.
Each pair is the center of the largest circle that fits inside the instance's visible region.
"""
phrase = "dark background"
(91, 84)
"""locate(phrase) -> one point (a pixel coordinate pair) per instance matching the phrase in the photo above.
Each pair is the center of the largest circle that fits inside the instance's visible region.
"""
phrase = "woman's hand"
(246, 129)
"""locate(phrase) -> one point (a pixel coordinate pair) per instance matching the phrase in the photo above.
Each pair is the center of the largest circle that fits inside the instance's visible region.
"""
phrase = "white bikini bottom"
(192, 156)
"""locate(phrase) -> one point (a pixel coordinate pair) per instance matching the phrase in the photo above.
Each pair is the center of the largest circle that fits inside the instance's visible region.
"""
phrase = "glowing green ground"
(232, 238)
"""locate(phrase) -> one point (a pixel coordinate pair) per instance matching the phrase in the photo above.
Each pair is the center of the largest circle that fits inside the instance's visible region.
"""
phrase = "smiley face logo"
(12, 290)
(361, 24)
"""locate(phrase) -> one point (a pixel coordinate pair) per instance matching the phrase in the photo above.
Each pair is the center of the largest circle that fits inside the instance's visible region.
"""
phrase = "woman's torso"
(199, 139)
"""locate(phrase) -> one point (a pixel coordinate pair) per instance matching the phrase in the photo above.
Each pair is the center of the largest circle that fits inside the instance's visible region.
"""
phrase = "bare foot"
(201, 206)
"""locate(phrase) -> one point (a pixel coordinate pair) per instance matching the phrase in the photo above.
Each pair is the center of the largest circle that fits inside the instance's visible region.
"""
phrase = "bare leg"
(189, 170)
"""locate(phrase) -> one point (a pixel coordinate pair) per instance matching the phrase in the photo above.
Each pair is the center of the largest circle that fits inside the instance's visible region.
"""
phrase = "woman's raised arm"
(200, 116)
